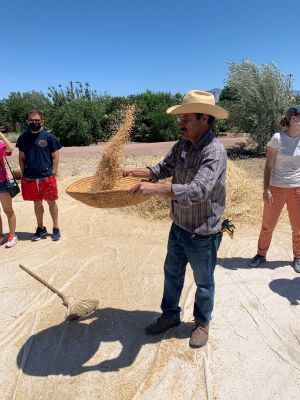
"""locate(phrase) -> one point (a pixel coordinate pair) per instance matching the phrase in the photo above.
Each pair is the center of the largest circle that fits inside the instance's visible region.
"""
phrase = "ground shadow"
(288, 288)
(243, 150)
(65, 348)
(23, 236)
(27, 236)
(234, 263)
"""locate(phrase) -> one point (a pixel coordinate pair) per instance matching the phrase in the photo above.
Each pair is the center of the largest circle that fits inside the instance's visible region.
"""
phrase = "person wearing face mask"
(282, 185)
(39, 159)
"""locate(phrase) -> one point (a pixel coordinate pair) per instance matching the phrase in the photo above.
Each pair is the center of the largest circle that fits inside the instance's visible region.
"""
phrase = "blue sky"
(124, 47)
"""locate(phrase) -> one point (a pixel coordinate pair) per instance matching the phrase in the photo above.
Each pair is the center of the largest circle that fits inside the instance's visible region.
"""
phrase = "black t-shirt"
(38, 148)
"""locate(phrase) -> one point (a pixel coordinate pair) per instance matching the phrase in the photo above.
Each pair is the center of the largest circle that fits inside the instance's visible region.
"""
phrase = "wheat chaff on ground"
(107, 172)
(76, 308)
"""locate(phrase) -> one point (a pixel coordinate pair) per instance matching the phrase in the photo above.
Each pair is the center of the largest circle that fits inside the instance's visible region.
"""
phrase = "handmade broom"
(76, 308)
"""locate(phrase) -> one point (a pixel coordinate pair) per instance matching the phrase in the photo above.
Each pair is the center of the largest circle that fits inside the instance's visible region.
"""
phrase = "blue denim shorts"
(3, 187)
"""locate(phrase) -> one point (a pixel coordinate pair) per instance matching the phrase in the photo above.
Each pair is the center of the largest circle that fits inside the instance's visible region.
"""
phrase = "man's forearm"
(22, 165)
(55, 167)
(165, 190)
(55, 162)
(137, 172)
(153, 189)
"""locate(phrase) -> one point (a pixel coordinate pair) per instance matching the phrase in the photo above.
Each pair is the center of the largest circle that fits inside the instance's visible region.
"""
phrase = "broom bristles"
(80, 308)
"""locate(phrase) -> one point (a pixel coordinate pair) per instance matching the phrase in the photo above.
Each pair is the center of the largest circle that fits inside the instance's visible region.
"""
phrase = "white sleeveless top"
(286, 170)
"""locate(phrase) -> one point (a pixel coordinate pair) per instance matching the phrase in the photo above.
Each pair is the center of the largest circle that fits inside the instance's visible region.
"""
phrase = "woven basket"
(119, 196)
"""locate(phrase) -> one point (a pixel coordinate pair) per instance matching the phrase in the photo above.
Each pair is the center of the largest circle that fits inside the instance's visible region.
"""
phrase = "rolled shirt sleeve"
(165, 168)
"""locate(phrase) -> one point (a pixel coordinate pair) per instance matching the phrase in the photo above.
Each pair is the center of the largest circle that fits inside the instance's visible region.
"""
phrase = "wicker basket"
(119, 196)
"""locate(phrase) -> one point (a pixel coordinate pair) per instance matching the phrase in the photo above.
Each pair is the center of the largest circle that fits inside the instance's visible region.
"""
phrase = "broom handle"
(45, 283)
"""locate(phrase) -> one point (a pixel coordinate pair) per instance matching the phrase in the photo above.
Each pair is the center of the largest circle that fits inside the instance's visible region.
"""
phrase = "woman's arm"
(8, 145)
(270, 160)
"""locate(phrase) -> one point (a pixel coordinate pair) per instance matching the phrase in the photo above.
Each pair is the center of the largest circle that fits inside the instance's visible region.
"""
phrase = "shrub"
(14, 109)
(76, 114)
(261, 95)
(152, 123)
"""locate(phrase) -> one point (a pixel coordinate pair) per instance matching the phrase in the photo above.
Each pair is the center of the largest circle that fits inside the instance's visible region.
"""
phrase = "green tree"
(16, 106)
(226, 100)
(152, 123)
(227, 94)
(76, 114)
(113, 116)
(261, 95)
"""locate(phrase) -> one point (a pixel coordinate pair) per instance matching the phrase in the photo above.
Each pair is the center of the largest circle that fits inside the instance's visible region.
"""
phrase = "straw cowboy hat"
(197, 101)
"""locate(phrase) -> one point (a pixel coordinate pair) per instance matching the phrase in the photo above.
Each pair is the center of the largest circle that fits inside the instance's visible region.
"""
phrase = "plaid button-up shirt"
(198, 182)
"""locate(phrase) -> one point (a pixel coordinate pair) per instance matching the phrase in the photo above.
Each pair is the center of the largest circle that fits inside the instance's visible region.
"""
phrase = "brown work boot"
(199, 335)
(160, 325)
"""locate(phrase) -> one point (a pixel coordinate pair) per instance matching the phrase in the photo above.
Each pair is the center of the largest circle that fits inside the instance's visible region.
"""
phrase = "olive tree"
(261, 94)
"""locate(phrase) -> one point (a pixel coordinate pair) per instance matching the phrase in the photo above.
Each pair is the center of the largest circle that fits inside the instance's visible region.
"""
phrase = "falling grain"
(107, 172)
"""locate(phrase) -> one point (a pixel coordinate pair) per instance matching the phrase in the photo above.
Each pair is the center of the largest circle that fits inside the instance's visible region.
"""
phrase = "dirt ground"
(117, 258)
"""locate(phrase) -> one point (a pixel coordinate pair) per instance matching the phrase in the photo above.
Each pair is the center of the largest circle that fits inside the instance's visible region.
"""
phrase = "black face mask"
(35, 126)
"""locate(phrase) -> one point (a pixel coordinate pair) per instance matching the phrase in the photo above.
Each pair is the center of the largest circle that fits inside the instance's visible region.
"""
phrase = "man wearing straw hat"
(197, 165)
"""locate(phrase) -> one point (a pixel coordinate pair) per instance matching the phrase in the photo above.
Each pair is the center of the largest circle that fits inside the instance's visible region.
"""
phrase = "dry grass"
(244, 195)
(156, 208)
(244, 199)
(107, 173)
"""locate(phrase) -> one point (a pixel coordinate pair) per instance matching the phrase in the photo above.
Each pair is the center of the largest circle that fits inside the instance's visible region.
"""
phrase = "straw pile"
(244, 197)
(107, 172)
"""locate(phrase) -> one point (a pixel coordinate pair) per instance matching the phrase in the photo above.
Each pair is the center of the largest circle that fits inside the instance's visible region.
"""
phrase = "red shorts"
(39, 189)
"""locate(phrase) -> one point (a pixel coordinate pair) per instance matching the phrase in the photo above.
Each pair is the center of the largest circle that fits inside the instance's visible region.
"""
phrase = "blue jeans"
(201, 252)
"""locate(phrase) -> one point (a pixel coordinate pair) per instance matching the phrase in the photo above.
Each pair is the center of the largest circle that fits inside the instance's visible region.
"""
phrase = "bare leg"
(39, 212)
(1, 226)
(6, 202)
(53, 209)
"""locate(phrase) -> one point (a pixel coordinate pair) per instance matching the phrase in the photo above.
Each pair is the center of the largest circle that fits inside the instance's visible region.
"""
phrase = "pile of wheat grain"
(107, 173)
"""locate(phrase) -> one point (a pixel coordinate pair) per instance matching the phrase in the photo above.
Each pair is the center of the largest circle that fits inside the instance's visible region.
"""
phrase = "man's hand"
(144, 189)
(125, 172)
(136, 172)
